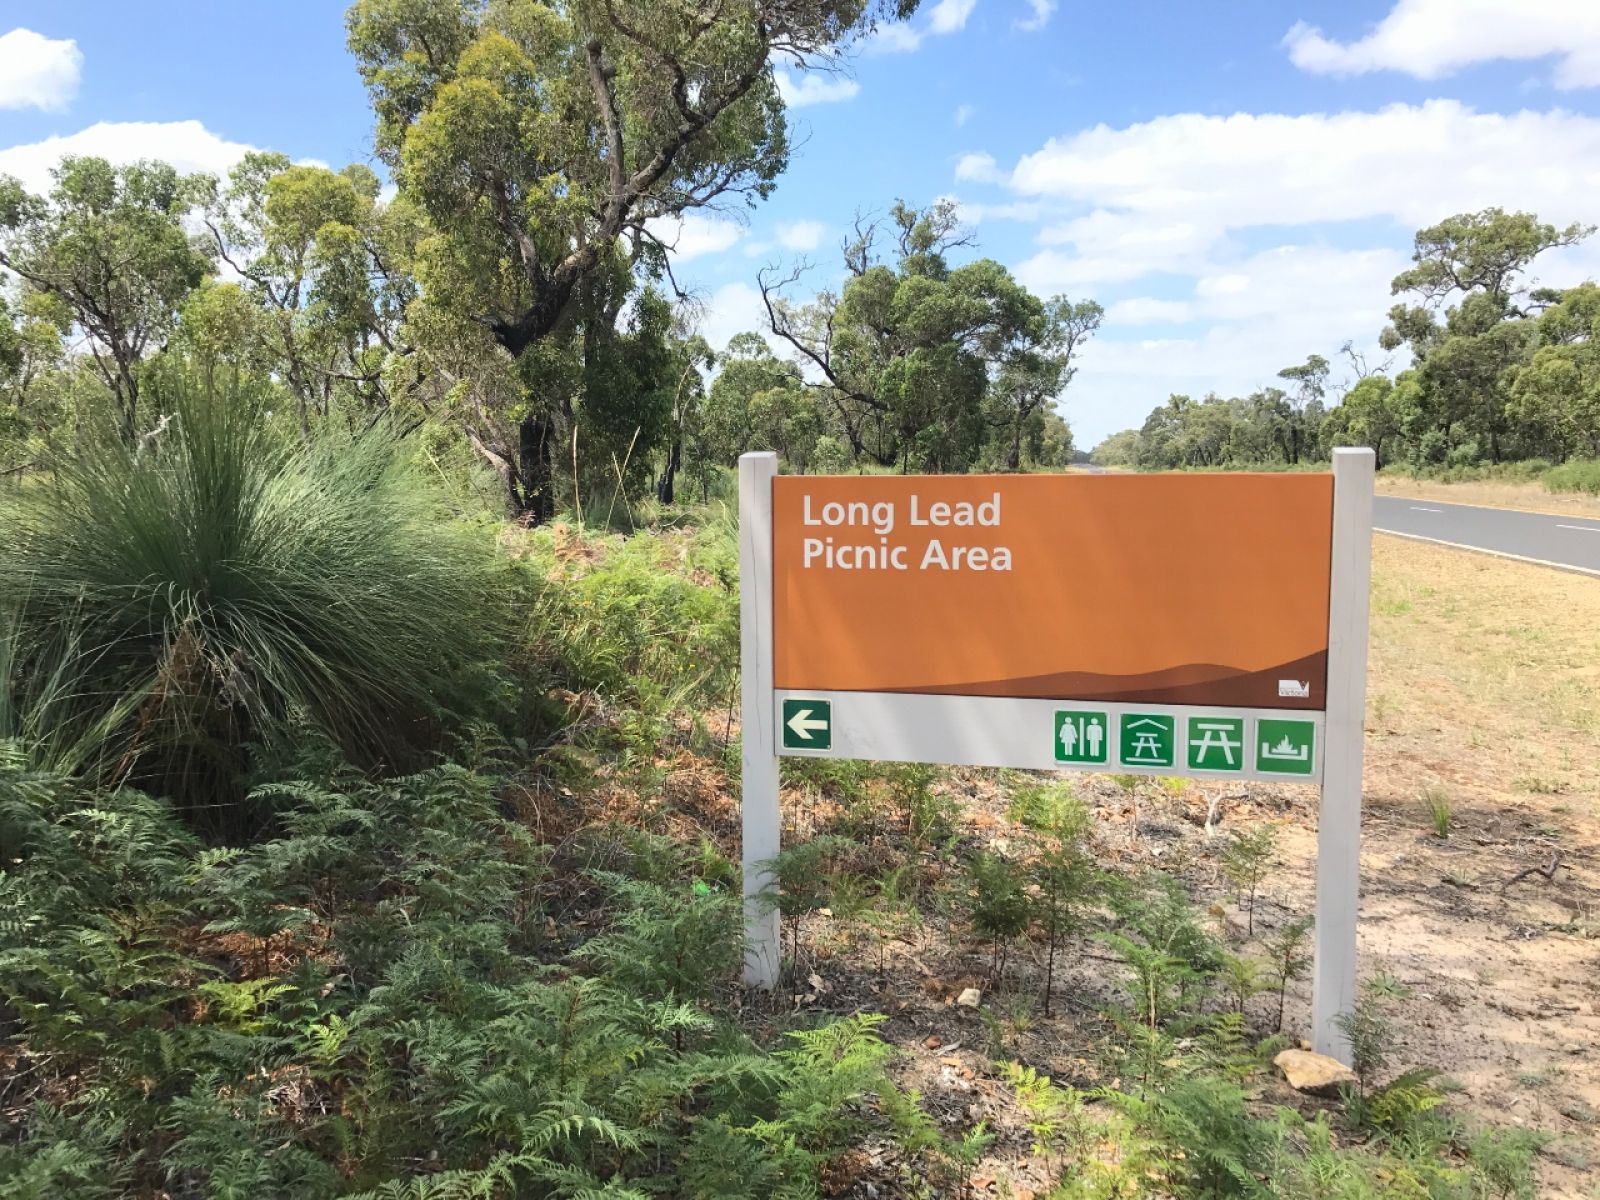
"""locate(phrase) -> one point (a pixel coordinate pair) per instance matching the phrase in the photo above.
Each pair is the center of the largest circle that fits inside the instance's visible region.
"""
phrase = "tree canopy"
(1500, 369)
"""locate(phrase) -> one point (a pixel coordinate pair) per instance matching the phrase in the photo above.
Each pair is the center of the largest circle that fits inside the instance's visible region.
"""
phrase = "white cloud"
(979, 168)
(1043, 10)
(950, 16)
(811, 87)
(964, 113)
(972, 213)
(1144, 309)
(695, 234)
(38, 72)
(1412, 164)
(801, 235)
(1254, 316)
(187, 145)
(1433, 38)
(898, 37)
(732, 308)
(1113, 247)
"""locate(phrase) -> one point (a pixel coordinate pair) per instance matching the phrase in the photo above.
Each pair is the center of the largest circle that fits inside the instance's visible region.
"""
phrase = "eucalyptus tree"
(759, 401)
(1367, 416)
(543, 140)
(1555, 399)
(110, 246)
(31, 332)
(1039, 367)
(1310, 381)
(326, 261)
(921, 362)
(1465, 363)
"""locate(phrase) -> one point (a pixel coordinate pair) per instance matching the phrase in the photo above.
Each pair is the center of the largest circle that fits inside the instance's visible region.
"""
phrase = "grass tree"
(211, 587)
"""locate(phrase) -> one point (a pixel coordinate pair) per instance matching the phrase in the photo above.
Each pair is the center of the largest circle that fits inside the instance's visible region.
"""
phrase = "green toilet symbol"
(1082, 737)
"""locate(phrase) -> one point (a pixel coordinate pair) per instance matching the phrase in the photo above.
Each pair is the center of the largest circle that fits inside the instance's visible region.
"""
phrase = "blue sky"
(1236, 181)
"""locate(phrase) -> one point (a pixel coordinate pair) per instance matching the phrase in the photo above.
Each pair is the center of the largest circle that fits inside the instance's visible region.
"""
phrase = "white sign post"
(1333, 986)
(1292, 743)
(759, 759)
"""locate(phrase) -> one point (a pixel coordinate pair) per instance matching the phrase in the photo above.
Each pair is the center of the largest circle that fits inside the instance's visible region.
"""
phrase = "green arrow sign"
(807, 724)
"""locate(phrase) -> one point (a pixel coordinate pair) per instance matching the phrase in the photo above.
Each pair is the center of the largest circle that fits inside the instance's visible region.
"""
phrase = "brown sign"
(1172, 589)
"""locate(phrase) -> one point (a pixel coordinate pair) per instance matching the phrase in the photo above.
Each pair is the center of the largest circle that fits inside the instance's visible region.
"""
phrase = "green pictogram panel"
(1216, 744)
(1147, 740)
(1082, 737)
(1286, 747)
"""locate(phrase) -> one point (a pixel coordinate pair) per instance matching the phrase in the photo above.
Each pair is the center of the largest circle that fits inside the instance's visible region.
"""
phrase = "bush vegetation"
(450, 981)
(357, 842)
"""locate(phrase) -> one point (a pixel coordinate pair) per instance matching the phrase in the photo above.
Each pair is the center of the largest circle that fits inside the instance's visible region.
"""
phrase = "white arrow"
(802, 724)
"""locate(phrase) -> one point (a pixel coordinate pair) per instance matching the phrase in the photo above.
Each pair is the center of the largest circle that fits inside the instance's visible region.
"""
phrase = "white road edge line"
(1419, 508)
(1538, 562)
(1581, 528)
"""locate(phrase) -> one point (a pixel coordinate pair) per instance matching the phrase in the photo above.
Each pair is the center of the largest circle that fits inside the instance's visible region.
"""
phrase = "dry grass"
(1485, 664)
(1529, 497)
(1485, 678)
(1483, 762)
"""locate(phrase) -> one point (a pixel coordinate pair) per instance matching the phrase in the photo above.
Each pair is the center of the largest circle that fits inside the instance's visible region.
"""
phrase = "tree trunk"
(536, 465)
(1014, 455)
(664, 486)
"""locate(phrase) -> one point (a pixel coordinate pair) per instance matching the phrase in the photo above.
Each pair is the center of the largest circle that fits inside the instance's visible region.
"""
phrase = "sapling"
(892, 912)
(1287, 958)
(1250, 853)
(1063, 873)
(999, 905)
(805, 884)
(1242, 978)
(1371, 1037)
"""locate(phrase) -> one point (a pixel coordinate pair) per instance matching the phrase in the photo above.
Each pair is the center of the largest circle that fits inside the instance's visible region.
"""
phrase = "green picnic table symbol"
(1216, 744)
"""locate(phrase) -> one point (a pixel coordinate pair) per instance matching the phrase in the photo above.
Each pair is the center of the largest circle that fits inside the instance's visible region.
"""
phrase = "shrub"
(1440, 811)
(649, 625)
(371, 1001)
(215, 583)
(1575, 475)
(999, 907)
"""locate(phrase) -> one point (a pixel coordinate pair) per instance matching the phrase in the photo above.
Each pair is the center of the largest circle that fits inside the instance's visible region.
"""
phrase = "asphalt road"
(1570, 542)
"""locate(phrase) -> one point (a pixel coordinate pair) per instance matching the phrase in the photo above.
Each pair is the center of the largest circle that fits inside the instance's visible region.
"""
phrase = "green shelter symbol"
(1147, 740)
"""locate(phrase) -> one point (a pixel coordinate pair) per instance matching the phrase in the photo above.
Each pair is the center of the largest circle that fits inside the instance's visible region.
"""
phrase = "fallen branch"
(1548, 871)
